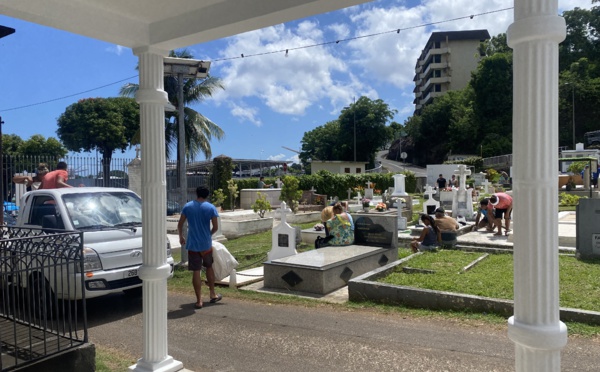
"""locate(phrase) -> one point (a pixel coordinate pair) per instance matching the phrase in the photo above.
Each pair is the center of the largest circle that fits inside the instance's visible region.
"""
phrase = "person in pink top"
(57, 178)
(500, 205)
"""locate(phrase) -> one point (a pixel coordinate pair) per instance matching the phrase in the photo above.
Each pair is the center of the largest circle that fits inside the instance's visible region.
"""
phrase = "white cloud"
(245, 113)
(279, 157)
(328, 77)
(116, 49)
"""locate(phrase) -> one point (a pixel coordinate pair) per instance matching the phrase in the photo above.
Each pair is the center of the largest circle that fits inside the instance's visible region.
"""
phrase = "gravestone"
(486, 187)
(462, 202)
(358, 197)
(478, 179)
(587, 230)
(431, 204)
(399, 185)
(326, 269)
(369, 190)
(279, 183)
(284, 237)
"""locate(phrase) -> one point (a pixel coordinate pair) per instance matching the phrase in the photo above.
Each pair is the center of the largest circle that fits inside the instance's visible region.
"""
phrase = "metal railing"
(498, 161)
(37, 269)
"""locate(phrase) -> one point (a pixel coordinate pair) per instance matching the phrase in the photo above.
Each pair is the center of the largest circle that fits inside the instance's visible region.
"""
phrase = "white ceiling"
(164, 24)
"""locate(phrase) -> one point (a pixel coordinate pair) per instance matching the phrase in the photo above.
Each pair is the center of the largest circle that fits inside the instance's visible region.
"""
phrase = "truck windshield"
(106, 209)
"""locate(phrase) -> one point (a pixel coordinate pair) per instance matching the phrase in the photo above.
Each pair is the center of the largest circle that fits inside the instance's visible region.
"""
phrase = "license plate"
(131, 273)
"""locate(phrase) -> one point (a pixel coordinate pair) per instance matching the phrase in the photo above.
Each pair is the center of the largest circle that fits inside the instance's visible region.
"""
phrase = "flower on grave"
(366, 202)
(402, 200)
(319, 227)
(380, 207)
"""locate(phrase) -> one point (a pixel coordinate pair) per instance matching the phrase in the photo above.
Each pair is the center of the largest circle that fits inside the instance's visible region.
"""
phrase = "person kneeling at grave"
(482, 219)
(339, 228)
(430, 237)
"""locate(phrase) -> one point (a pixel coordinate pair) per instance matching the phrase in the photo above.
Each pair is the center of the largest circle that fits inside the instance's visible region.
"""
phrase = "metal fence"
(35, 266)
(88, 171)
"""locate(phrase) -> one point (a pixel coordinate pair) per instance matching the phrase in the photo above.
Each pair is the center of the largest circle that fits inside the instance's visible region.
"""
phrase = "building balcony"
(430, 96)
(434, 66)
(437, 80)
(435, 51)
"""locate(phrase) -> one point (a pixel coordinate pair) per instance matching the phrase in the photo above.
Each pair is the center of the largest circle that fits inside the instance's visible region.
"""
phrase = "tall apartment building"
(445, 64)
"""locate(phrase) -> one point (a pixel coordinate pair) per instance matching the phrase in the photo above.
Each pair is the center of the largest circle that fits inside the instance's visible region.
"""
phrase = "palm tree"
(199, 130)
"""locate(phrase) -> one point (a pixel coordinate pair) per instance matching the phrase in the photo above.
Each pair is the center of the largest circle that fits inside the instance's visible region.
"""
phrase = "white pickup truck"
(111, 222)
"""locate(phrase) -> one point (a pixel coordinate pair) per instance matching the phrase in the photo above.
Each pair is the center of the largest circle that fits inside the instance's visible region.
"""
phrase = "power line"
(68, 96)
(286, 50)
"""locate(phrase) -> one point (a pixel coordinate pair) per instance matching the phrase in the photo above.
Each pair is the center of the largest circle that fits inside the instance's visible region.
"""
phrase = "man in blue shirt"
(200, 214)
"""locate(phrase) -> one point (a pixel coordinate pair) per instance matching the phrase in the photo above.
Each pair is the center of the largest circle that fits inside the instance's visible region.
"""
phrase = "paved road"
(236, 335)
(398, 166)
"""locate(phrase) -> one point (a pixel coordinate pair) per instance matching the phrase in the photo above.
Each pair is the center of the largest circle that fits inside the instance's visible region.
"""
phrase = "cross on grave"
(486, 186)
(358, 197)
(369, 183)
(137, 151)
(462, 173)
(278, 183)
(349, 191)
(282, 211)
(369, 190)
(429, 191)
(313, 190)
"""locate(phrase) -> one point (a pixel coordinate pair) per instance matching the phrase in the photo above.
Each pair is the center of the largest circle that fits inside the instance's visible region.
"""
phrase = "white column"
(155, 270)
(535, 328)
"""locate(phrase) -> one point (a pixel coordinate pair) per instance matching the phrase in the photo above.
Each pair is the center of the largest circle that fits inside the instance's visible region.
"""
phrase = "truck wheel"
(42, 302)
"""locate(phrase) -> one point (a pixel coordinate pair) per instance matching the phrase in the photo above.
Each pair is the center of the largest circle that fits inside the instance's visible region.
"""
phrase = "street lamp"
(353, 123)
(4, 31)
(573, 106)
(183, 68)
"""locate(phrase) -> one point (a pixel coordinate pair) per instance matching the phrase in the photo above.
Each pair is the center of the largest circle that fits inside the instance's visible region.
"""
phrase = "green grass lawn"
(493, 277)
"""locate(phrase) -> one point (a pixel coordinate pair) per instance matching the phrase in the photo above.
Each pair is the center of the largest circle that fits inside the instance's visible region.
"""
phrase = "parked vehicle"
(592, 138)
(111, 222)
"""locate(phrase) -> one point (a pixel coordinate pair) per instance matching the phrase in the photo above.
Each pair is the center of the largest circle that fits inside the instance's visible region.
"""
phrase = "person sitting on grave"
(430, 237)
(443, 222)
(326, 215)
(482, 220)
(339, 229)
(500, 205)
(503, 178)
(262, 184)
(441, 182)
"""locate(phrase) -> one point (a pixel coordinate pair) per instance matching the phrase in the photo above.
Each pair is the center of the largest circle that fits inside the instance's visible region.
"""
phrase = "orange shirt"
(50, 179)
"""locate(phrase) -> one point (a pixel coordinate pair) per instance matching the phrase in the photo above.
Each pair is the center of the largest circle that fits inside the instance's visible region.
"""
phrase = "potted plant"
(570, 184)
(380, 207)
(366, 203)
(261, 205)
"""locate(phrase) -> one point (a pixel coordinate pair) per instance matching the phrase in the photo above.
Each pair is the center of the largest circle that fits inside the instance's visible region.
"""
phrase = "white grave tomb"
(478, 179)
(462, 203)
(279, 183)
(486, 187)
(369, 190)
(284, 237)
(430, 205)
(399, 185)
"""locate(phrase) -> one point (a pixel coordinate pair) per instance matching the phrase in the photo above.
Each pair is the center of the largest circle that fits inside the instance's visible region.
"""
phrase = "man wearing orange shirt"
(56, 179)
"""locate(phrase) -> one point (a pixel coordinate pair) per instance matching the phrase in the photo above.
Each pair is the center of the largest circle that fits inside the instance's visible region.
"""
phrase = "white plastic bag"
(223, 261)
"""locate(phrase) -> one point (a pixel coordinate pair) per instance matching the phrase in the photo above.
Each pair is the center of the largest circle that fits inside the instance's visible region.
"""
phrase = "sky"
(270, 100)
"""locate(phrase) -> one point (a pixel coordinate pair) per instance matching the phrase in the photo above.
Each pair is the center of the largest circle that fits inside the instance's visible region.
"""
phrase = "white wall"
(337, 167)
(434, 170)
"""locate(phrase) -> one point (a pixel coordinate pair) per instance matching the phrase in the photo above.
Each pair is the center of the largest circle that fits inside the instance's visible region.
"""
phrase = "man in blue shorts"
(483, 212)
(200, 214)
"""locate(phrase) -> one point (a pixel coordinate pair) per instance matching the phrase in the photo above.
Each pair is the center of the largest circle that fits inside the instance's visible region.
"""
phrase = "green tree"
(10, 144)
(102, 124)
(199, 130)
(320, 143)
(364, 121)
(38, 145)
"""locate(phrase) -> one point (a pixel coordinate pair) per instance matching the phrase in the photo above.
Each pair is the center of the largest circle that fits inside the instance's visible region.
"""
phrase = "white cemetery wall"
(434, 170)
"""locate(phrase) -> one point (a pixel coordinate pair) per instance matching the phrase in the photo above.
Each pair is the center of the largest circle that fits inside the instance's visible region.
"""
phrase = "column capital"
(151, 50)
(536, 28)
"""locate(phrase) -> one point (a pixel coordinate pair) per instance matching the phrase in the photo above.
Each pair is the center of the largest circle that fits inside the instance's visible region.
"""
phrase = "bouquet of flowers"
(380, 207)
(319, 227)
(366, 202)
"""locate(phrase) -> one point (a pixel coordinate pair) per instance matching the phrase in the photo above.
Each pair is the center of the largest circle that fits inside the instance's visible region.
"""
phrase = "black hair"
(61, 165)
(493, 199)
(202, 192)
(431, 221)
(484, 201)
(261, 178)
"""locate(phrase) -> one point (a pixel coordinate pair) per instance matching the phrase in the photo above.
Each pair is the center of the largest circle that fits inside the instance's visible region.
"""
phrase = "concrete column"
(155, 270)
(535, 328)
